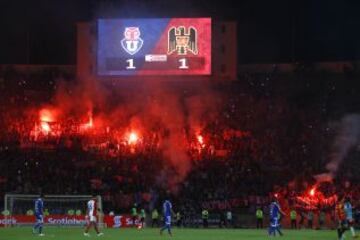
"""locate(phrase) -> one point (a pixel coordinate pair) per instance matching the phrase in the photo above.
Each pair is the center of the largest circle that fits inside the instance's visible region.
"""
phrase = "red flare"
(45, 127)
(133, 138)
(46, 115)
(312, 192)
(200, 139)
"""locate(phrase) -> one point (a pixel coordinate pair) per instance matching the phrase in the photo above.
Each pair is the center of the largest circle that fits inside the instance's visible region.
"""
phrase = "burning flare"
(200, 139)
(47, 115)
(312, 192)
(45, 127)
(133, 138)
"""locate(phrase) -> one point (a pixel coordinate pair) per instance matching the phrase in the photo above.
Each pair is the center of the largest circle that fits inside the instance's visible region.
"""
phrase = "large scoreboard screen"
(157, 46)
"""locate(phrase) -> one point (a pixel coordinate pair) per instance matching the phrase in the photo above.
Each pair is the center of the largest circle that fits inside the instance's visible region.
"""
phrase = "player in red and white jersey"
(91, 217)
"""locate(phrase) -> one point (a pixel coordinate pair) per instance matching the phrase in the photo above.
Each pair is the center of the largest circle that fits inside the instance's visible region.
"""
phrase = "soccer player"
(39, 208)
(341, 218)
(167, 210)
(91, 217)
(349, 216)
(134, 215)
(142, 217)
(275, 212)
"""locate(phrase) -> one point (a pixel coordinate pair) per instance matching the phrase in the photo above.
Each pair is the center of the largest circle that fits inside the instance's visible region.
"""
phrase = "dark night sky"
(43, 31)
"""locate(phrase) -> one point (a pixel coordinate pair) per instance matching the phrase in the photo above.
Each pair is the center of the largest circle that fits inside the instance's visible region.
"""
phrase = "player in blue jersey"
(349, 215)
(39, 216)
(275, 213)
(167, 211)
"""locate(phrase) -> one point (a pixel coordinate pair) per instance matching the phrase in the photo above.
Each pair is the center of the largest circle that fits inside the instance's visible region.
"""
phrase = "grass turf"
(73, 233)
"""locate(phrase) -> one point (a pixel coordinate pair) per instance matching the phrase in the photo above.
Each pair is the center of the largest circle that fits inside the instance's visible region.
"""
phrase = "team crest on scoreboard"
(182, 40)
(132, 42)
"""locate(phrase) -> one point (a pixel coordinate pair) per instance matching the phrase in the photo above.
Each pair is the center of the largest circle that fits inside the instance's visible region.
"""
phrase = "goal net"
(61, 210)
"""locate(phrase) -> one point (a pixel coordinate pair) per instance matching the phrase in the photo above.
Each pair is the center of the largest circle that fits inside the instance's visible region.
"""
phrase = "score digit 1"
(183, 63)
(130, 64)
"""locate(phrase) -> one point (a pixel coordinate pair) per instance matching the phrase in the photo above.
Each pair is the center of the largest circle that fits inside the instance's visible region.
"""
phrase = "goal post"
(59, 209)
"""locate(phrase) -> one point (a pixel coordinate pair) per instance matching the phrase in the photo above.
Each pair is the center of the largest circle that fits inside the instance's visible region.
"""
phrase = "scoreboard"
(155, 46)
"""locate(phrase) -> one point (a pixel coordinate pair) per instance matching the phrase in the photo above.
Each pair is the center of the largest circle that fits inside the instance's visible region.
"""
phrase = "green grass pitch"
(73, 233)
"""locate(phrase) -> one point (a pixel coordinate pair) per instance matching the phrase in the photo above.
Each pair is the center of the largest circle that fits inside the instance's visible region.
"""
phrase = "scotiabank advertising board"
(120, 221)
(154, 46)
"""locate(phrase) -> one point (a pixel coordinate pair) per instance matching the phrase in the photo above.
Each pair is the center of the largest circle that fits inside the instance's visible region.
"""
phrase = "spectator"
(310, 217)
(222, 222)
(322, 219)
(302, 220)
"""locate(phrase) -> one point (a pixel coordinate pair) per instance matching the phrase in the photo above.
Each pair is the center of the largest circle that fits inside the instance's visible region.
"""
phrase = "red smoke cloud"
(158, 109)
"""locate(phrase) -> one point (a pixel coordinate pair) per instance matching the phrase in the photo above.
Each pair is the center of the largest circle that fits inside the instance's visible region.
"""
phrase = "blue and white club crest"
(132, 42)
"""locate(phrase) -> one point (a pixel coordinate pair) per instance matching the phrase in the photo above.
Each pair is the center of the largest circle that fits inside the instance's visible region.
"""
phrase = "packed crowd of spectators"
(272, 129)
